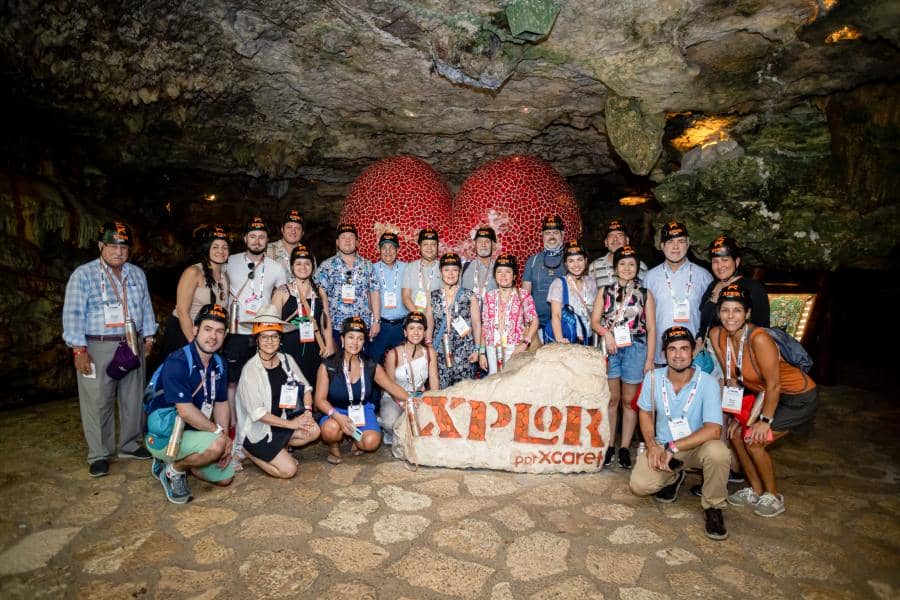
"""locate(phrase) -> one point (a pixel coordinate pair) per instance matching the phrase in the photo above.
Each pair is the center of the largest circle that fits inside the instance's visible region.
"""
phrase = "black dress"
(264, 449)
(306, 354)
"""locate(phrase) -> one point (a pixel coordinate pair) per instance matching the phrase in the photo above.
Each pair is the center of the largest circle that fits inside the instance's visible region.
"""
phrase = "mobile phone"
(357, 434)
(675, 464)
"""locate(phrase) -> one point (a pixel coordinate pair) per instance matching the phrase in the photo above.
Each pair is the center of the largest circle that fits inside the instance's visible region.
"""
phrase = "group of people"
(338, 351)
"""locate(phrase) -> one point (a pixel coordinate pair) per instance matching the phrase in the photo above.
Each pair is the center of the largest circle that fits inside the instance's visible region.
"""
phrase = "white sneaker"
(769, 505)
(743, 497)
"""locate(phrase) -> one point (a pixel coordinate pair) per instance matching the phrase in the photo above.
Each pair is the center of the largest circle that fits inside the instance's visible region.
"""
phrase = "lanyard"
(481, 282)
(690, 284)
(450, 305)
(302, 309)
(430, 276)
(620, 310)
(120, 298)
(409, 370)
(687, 406)
(740, 356)
(384, 285)
(262, 274)
(362, 382)
(580, 295)
(207, 397)
(505, 313)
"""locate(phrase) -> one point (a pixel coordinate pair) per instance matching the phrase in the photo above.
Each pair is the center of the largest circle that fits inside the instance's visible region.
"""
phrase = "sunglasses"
(251, 266)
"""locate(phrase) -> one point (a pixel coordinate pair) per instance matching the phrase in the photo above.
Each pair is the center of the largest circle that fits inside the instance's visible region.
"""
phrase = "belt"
(392, 321)
(105, 338)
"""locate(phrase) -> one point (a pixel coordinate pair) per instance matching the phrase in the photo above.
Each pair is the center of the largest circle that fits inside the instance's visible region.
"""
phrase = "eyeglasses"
(251, 266)
(269, 337)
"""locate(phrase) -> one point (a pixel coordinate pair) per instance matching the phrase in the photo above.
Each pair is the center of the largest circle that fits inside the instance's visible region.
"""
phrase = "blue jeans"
(389, 337)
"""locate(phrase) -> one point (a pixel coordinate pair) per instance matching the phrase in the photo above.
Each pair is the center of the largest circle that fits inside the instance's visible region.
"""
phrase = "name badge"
(252, 305)
(114, 315)
(357, 414)
(622, 335)
(207, 409)
(732, 399)
(682, 312)
(288, 395)
(421, 300)
(307, 331)
(390, 299)
(461, 327)
(680, 428)
(348, 293)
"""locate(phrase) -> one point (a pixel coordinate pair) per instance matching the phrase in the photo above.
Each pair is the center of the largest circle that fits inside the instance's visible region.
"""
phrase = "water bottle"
(642, 447)
(174, 444)
(131, 336)
(233, 317)
(413, 417)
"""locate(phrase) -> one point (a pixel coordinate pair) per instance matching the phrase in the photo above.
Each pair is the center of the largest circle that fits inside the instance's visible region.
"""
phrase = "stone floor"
(371, 528)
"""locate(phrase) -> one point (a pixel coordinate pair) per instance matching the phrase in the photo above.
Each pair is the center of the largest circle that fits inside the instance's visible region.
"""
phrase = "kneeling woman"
(413, 366)
(345, 392)
(274, 401)
(789, 403)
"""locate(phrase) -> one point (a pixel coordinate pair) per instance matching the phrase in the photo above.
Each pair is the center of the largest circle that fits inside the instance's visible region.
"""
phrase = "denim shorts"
(368, 411)
(627, 363)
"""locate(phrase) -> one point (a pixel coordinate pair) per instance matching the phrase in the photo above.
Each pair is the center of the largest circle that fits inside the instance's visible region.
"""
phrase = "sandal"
(355, 451)
(334, 460)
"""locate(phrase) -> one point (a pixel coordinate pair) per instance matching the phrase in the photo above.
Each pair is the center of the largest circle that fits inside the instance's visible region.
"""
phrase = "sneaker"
(387, 439)
(176, 487)
(715, 524)
(670, 492)
(769, 505)
(735, 477)
(156, 467)
(140, 454)
(99, 468)
(610, 452)
(697, 490)
(624, 458)
(743, 497)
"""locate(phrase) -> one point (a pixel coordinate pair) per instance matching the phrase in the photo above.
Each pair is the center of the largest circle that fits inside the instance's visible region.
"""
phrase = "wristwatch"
(672, 448)
(765, 419)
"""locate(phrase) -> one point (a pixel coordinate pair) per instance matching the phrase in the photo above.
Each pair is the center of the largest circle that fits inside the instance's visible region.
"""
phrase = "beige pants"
(713, 457)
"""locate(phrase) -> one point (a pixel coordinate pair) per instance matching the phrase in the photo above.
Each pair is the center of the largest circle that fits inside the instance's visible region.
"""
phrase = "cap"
(724, 246)
(506, 260)
(573, 248)
(615, 225)
(451, 259)
(354, 324)
(486, 232)
(428, 233)
(211, 312)
(257, 223)
(415, 317)
(672, 230)
(292, 216)
(389, 237)
(115, 232)
(736, 293)
(552, 222)
(347, 228)
(677, 333)
(624, 252)
(216, 233)
(301, 251)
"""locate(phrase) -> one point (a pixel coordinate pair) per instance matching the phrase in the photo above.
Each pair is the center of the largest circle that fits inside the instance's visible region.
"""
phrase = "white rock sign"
(544, 413)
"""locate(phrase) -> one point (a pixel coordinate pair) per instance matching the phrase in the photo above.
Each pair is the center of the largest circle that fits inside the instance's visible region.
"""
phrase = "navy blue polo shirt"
(179, 384)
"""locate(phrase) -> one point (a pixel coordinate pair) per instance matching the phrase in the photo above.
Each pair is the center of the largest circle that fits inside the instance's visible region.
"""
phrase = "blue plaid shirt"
(332, 274)
(83, 308)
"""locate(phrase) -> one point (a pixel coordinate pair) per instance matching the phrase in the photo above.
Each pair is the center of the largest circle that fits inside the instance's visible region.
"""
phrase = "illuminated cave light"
(633, 200)
(209, 197)
(844, 33)
(704, 131)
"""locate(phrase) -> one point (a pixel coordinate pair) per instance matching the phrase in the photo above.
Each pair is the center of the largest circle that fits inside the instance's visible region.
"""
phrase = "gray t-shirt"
(479, 278)
(255, 293)
(418, 278)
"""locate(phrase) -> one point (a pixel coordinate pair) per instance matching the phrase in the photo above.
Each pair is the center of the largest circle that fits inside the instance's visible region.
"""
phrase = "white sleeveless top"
(419, 368)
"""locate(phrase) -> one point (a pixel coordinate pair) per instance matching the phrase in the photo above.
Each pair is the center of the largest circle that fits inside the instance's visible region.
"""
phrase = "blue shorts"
(627, 363)
(371, 420)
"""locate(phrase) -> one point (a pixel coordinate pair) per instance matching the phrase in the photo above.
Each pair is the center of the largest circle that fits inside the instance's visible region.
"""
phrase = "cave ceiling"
(320, 89)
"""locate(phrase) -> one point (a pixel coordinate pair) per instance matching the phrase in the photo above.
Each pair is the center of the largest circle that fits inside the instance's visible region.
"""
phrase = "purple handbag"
(123, 362)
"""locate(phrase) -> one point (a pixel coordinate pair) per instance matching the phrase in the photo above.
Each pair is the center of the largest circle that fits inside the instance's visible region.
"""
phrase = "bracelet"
(77, 351)
(309, 408)
(330, 412)
(482, 348)
(766, 420)
(219, 429)
(672, 448)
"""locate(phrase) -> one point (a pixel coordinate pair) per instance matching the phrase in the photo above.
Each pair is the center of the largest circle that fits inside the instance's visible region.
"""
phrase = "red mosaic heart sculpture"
(401, 194)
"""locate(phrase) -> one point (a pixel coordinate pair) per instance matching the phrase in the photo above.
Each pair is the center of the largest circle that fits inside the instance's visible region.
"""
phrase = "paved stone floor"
(371, 528)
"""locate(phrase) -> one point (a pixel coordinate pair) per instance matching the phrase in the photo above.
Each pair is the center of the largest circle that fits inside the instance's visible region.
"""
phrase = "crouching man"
(681, 419)
(192, 384)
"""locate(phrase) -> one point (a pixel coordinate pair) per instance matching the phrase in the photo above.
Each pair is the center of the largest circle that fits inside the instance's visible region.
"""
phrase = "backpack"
(151, 393)
(791, 350)
(571, 325)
